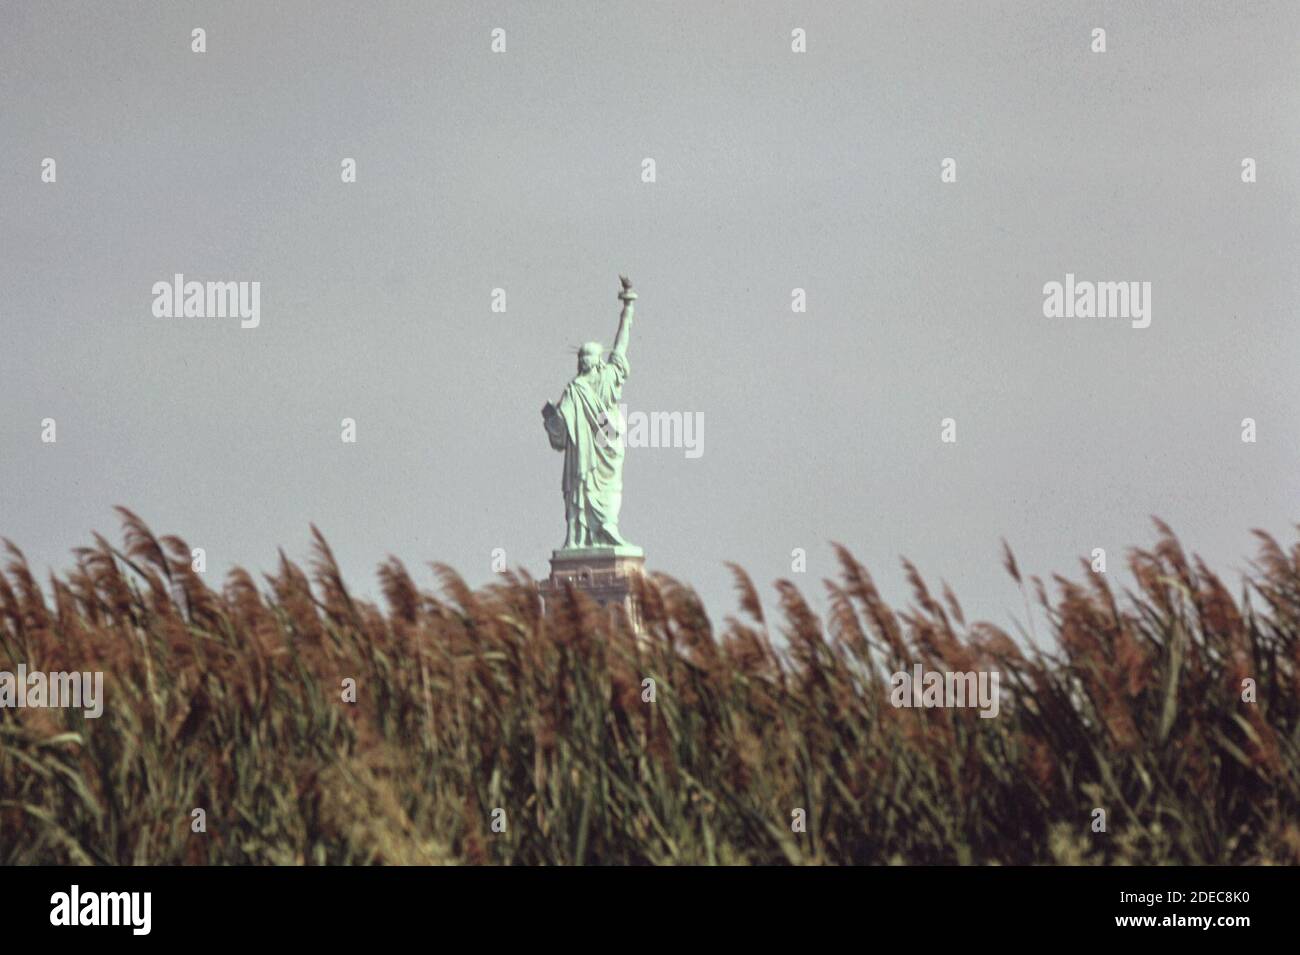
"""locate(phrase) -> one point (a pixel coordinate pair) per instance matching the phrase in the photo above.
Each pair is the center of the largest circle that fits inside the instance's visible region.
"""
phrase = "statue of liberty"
(586, 425)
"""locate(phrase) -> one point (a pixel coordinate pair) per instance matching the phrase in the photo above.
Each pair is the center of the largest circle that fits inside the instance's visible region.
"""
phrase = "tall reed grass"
(231, 701)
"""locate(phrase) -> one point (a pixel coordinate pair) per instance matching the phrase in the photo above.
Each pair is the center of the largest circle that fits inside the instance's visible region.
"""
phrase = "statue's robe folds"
(593, 454)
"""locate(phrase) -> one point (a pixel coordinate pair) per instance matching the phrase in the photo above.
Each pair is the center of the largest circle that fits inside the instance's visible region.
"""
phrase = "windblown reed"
(470, 701)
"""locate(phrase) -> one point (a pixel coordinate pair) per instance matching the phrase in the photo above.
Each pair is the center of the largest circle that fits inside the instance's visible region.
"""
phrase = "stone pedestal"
(602, 573)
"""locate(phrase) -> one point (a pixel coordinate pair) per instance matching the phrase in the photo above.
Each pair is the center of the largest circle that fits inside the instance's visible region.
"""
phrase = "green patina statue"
(587, 426)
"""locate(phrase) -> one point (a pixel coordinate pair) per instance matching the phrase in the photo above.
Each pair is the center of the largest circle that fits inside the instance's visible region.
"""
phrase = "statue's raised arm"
(627, 296)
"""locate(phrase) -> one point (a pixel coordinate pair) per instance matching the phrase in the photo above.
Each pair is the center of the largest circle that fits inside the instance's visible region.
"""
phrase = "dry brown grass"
(470, 701)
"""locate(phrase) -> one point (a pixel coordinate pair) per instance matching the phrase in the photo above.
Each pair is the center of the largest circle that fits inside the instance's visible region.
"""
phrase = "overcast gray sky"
(775, 170)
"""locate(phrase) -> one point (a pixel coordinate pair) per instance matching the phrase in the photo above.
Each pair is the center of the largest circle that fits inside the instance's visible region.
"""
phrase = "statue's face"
(589, 357)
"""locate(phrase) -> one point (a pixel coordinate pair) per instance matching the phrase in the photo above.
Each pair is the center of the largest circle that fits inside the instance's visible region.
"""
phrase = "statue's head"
(589, 356)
